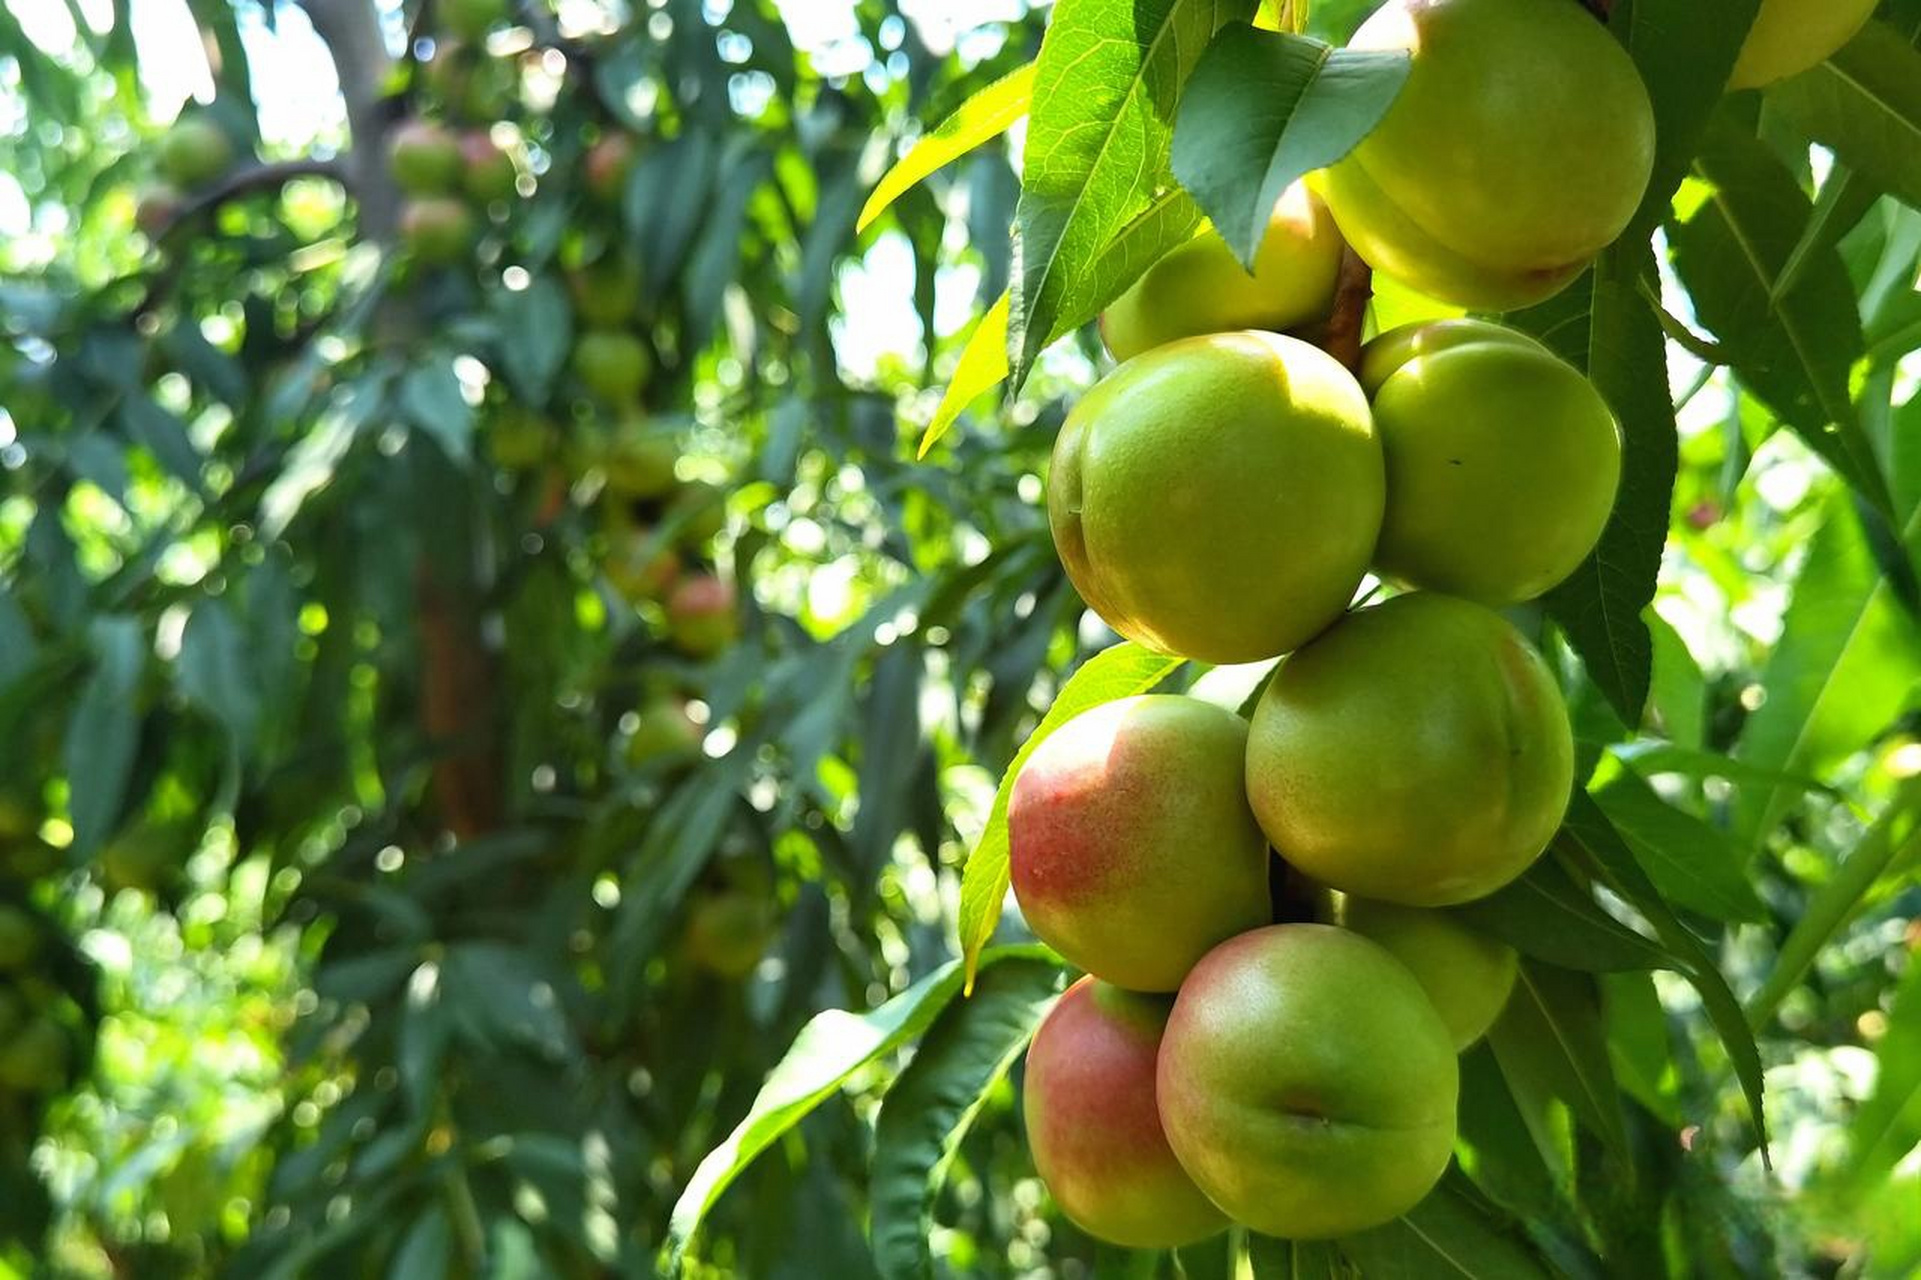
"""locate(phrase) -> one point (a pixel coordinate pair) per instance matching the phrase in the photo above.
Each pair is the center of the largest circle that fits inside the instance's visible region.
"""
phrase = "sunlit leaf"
(983, 117)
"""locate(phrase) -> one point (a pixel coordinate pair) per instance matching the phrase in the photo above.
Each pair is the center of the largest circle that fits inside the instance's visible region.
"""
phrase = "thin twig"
(1353, 288)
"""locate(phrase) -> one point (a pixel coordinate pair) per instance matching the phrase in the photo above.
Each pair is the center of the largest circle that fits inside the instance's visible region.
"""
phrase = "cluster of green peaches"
(1276, 989)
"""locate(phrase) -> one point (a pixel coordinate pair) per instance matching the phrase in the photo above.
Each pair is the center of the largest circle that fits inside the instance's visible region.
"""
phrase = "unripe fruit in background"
(662, 731)
(733, 916)
(1306, 1082)
(638, 459)
(469, 19)
(607, 291)
(1790, 36)
(1517, 150)
(1418, 753)
(156, 207)
(1466, 973)
(35, 1059)
(437, 230)
(1502, 460)
(1201, 288)
(1219, 497)
(1131, 847)
(607, 164)
(19, 938)
(425, 159)
(613, 366)
(194, 152)
(520, 439)
(474, 85)
(700, 512)
(640, 570)
(703, 616)
(1094, 1126)
(489, 172)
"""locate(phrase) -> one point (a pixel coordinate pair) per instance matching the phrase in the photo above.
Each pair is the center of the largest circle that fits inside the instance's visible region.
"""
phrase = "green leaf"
(1517, 1159)
(1448, 1234)
(1844, 199)
(1273, 1259)
(1841, 671)
(1888, 845)
(163, 435)
(1888, 1125)
(1119, 672)
(1689, 861)
(1795, 353)
(932, 1105)
(1106, 86)
(1550, 1042)
(1864, 104)
(215, 671)
(1237, 150)
(103, 730)
(502, 997)
(430, 397)
(830, 1048)
(1586, 832)
(1604, 327)
(1684, 50)
(427, 1249)
(536, 333)
(983, 364)
(1547, 915)
(984, 116)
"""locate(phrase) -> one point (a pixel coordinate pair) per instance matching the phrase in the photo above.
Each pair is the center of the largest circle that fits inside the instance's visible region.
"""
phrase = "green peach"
(639, 459)
(425, 159)
(638, 569)
(437, 230)
(1306, 1082)
(613, 366)
(1418, 753)
(1094, 1126)
(489, 174)
(607, 291)
(1502, 460)
(1201, 288)
(703, 616)
(1467, 974)
(1518, 149)
(1790, 36)
(194, 152)
(663, 730)
(1131, 847)
(1219, 497)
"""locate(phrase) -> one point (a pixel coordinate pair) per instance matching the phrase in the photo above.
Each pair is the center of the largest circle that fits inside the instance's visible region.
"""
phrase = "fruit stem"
(1345, 322)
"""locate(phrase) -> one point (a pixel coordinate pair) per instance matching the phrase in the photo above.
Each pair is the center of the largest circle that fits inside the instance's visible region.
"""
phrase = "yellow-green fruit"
(639, 570)
(1093, 1124)
(437, 230)
(425, 159)
(663, 730)
(489, 171)
(1502, 460)
(606, 292)
(1418, 753)
(1307, 1083)
(639, 459)
(1130, 845)
(194, 152)
(1467, 974)
(1790, 36)
(703, 616)
(613, 366)
(1201, 288)
(520, 440)
(1517, 150)
(1219, 497)
(35, 1059)
(19, 938)
(730, 928)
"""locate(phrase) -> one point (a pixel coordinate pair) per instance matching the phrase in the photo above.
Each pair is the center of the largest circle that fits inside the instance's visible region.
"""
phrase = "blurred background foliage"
(365, 925)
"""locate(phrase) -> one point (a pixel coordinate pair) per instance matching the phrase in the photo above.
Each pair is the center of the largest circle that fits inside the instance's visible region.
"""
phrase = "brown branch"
(457, 707)
(1345, 323)
(258, 177)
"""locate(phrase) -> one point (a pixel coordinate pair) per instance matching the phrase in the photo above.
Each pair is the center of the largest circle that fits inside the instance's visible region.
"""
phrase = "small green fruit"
(730, 927)
(1219, 497)
(639, 460)
(1467, 974)
(194, 152)
(664, 732)
(1094, 1126)
(1418, 752)
(1502, 460)
(638, 570)
(438, 231)
(1201, 288)
(426, 160)
(1306, 1082)
(612, 366)
(1131, 847)
(489, 171)
(521, 440)
(1518, 148)
(606, 292)
(703, 616)
(156, 207)
(1790, 36)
